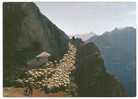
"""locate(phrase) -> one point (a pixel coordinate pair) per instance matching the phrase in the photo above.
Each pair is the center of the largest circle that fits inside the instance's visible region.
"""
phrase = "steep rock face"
(91, 75)
(27, 33)
(118, 49)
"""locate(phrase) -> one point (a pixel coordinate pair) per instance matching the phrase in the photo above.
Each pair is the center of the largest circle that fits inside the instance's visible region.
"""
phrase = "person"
(73, 38)
(28, 91)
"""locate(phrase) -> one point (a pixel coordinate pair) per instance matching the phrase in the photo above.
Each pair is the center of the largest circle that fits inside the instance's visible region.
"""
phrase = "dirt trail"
(19, 92)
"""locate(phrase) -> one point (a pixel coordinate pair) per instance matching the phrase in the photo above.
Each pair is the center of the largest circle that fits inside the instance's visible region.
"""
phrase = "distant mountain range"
(85, 36)
(118, 49)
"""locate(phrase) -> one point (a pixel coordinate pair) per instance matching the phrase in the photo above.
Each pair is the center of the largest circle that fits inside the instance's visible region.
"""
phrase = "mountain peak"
(123, 28)
(85, 36)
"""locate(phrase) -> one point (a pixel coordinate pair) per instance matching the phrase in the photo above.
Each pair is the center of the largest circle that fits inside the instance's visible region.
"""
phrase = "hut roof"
(43, 54)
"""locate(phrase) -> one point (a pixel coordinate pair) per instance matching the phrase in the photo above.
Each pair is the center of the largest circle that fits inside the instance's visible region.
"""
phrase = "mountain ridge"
(118, 49)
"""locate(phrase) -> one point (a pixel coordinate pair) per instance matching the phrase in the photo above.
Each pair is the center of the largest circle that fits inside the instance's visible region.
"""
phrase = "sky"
(84, 17)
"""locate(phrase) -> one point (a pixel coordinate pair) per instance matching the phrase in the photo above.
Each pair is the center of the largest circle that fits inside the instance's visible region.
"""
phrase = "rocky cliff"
(27, 33)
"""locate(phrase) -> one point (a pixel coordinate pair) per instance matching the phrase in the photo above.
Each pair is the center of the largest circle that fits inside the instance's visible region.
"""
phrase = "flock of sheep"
(55, 75)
